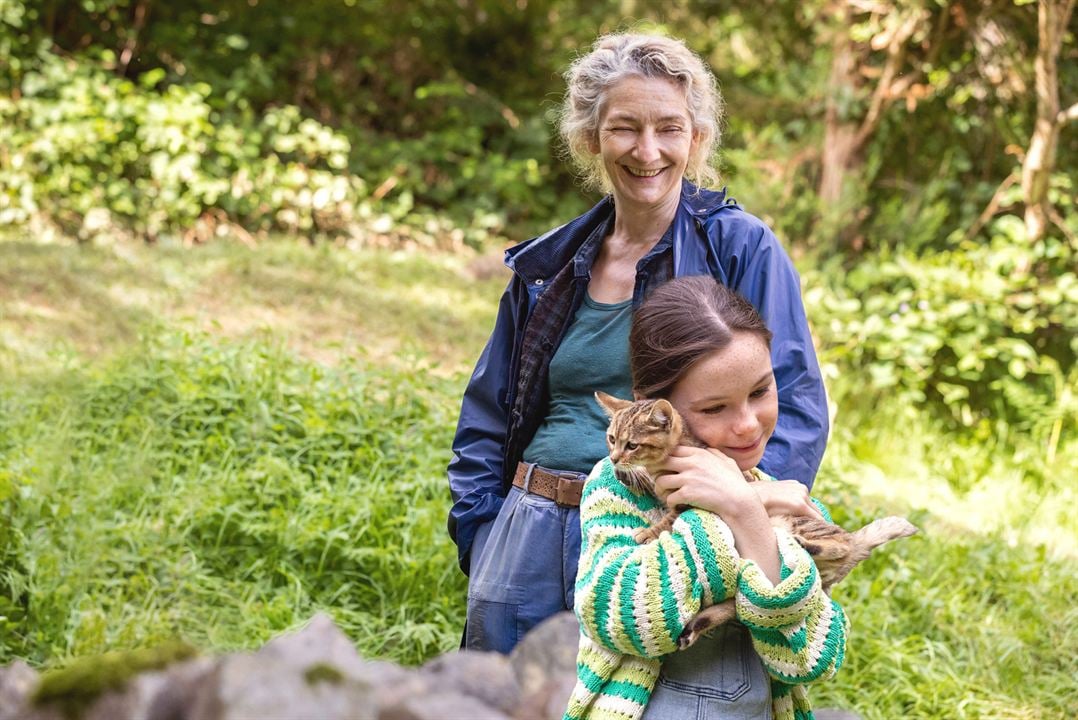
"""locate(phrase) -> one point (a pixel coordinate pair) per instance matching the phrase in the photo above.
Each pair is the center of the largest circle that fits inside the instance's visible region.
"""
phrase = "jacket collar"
(542, 257)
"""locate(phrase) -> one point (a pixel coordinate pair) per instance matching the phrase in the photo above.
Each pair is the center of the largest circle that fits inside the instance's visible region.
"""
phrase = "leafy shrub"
(97, 153)
(985, 332)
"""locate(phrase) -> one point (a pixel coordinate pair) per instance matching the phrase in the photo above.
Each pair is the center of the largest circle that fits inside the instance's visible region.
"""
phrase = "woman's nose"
(647, 145)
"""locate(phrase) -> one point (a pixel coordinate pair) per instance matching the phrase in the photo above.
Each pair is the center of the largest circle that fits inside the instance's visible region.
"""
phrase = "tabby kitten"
(642, 434)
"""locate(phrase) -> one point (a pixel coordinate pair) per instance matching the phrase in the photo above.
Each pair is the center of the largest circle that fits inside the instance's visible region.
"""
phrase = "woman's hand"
(786, 497)
(706, 479)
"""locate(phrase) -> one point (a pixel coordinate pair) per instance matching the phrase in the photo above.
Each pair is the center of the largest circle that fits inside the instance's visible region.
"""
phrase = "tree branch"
(993, 205)
(885, 92)
(141, 10)
(1066, 116)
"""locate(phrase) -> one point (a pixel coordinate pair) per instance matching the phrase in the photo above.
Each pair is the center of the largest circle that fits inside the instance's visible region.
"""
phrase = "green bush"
(987, 332)
(96, 153)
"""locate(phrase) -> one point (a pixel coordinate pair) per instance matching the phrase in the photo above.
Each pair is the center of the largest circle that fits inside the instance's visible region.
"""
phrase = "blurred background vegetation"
(246, 264)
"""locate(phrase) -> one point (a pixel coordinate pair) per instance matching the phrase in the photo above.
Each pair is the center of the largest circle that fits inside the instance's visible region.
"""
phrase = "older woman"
(641, 119)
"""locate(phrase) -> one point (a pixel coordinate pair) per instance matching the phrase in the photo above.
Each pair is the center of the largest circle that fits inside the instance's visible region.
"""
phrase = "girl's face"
(729, 400)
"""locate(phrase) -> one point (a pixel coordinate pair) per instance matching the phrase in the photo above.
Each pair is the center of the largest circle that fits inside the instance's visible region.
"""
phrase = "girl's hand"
(706, 479)
(709, 480)
(786, 497)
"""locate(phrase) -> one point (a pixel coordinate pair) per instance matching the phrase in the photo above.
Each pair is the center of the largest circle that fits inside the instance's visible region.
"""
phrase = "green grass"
(214, 444)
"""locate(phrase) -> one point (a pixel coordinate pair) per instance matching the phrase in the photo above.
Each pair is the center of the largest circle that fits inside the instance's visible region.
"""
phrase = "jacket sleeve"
(475, 473)
(762, 271)
(636, 599)
(797, 630)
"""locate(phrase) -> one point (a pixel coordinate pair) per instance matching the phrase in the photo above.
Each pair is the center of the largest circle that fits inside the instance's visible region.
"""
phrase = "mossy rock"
(323, 673)
(75, 687)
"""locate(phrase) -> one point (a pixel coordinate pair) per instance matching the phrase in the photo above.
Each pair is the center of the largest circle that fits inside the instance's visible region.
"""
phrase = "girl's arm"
(636, 599)
(797, 630)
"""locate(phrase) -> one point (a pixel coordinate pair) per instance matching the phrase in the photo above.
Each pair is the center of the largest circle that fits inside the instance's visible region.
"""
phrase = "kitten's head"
(640, 437)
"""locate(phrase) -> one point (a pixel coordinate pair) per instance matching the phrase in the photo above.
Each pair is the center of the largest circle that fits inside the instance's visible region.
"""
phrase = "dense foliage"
(888, 143)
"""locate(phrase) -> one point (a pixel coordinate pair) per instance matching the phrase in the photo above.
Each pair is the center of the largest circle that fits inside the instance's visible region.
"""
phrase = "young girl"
(706, 350)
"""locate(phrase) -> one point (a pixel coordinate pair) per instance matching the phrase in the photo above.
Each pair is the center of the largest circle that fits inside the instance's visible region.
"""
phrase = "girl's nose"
(745, 423)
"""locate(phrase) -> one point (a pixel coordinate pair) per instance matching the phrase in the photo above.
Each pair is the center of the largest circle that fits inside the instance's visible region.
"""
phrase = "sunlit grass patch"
(323, 302)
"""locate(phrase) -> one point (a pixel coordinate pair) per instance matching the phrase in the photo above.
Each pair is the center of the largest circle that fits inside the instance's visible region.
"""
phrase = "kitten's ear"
(610, 404)
(662, 412)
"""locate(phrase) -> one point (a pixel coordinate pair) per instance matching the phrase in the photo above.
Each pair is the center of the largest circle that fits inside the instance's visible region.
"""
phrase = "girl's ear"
(610, 404)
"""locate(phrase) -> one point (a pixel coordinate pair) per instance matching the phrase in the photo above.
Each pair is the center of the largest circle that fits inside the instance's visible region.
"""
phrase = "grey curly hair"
(616, 57)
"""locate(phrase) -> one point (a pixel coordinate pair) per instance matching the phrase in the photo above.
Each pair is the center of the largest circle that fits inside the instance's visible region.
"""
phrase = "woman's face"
(645, 139)
(729, 400)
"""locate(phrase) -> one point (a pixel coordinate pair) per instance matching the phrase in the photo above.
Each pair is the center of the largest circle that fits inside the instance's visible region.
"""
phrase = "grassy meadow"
(216, 443)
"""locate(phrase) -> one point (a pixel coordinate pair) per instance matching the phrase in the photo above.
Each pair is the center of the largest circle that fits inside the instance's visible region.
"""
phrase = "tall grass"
(974, 617)
(182, 479)
(225, 492)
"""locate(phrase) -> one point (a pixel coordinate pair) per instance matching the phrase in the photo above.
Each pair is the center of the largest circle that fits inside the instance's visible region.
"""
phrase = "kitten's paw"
(695, 630)
(643, 537)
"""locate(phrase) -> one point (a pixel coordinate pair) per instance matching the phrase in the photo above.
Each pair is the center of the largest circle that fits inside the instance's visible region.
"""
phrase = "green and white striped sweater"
(633, 600)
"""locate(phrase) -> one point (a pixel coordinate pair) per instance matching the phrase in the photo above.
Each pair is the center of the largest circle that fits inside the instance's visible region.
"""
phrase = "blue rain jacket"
(711, 235)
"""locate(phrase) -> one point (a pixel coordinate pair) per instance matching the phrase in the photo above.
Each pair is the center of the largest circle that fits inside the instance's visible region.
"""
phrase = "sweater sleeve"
(798, 631)
(636, 599)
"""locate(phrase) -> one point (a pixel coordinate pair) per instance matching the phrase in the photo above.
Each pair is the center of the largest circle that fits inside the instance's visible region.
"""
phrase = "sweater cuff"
(765, 605)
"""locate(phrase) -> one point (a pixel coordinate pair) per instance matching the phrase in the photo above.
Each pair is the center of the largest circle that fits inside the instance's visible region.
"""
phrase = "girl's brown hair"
(681, 322)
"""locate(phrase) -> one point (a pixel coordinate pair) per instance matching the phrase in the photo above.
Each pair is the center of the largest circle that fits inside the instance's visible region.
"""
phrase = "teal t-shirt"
(594, 355)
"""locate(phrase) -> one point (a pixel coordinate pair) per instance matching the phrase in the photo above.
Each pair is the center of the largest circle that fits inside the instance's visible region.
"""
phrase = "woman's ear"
(593, 143)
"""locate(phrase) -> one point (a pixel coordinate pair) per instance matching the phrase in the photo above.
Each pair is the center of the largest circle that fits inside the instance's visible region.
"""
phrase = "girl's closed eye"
(760, 391)
(714, 410)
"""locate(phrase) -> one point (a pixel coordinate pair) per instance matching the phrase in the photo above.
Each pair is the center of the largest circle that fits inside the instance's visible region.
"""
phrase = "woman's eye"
(714, 410)
(673, 129)
(760, 392)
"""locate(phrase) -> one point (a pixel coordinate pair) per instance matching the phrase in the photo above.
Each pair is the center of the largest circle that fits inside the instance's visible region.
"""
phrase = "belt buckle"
(567, 493)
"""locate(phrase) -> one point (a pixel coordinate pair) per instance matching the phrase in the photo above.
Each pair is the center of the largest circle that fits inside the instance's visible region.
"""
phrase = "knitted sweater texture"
(633, 601)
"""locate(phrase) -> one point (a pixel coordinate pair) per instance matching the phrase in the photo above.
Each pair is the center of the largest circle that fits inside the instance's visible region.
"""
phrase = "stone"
(547, 653)
(486, 676)
(548, 702)
(442, 706)
(17, 682)
(314, 673)
(173, 693)
(137, 698)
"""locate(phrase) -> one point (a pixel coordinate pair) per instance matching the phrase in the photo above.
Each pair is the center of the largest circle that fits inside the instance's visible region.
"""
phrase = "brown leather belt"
(563, 487)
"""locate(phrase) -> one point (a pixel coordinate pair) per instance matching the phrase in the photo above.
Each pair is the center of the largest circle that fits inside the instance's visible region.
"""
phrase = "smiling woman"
(640, 119)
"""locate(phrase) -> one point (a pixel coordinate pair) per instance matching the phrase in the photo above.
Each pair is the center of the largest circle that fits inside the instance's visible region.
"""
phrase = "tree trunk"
(1052, 18)
(840, 145)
